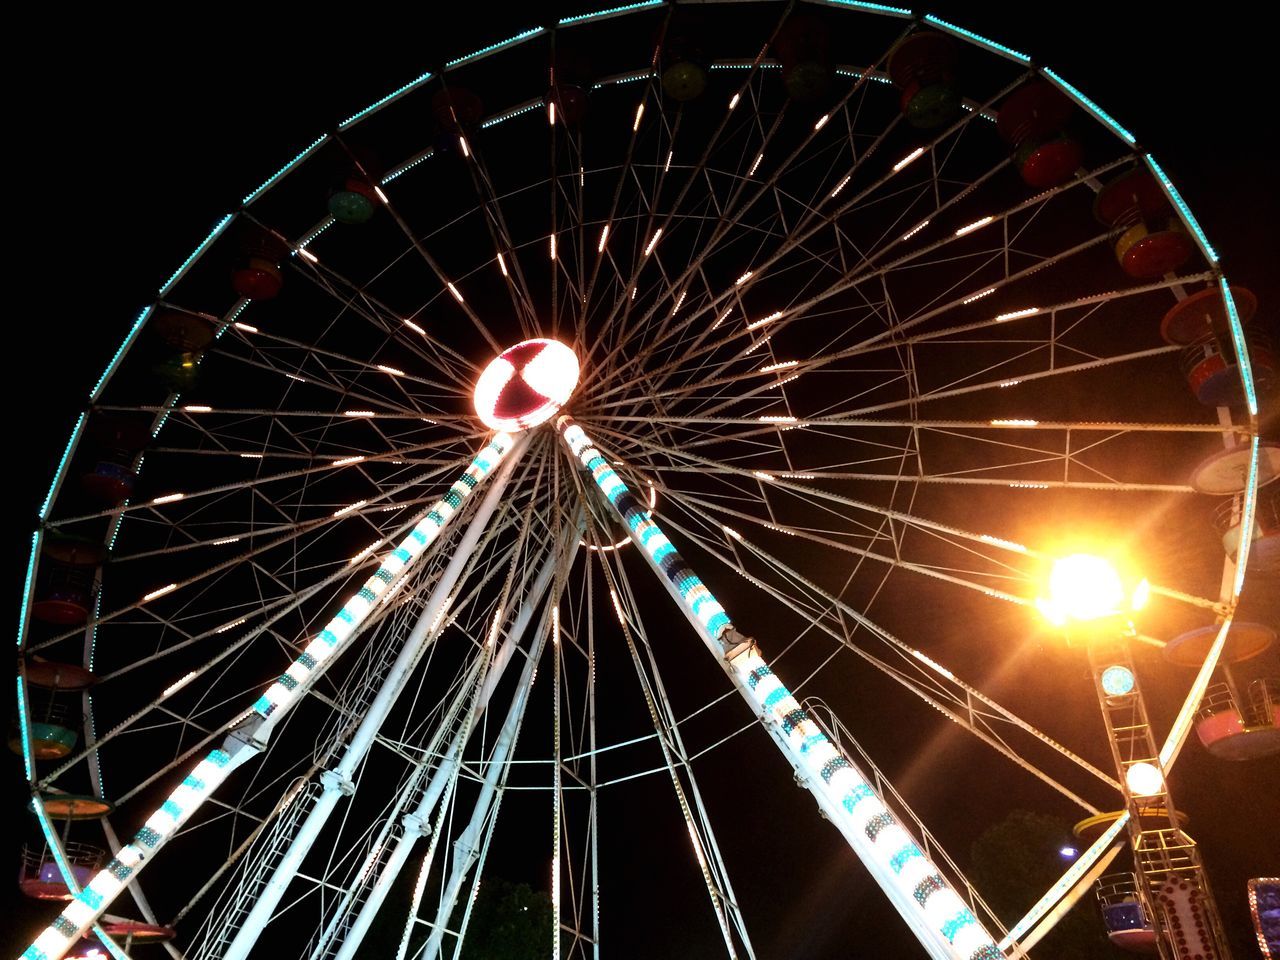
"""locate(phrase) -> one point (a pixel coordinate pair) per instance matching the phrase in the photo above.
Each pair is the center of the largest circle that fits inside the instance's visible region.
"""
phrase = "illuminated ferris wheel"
(554, 374)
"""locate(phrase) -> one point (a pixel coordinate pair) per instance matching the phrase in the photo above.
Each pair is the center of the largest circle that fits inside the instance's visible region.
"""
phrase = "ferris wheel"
(511, 435)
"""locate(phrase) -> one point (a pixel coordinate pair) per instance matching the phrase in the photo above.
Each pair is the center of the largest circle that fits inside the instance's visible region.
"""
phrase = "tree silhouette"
(1015, 861)
(510, 921)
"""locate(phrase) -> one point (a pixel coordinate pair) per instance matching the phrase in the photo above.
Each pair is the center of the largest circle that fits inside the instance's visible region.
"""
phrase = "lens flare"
(1083, 587)
(1144, 779)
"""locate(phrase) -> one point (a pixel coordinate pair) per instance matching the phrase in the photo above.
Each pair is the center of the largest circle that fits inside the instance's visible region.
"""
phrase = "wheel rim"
(661, 436)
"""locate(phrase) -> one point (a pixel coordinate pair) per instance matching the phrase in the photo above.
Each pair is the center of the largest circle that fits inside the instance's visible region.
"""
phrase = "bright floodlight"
(1117, 681)
(1144, 779)
(526, 385)
(1084, 587)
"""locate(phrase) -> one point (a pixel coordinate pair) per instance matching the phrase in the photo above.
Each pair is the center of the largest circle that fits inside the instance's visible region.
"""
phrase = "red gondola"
(923, 68)
(1032, 120)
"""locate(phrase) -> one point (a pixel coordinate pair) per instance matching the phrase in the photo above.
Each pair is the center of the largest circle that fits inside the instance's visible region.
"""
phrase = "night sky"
(134, 142)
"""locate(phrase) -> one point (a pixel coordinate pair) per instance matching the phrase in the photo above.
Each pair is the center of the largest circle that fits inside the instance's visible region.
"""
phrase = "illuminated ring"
(526, 385)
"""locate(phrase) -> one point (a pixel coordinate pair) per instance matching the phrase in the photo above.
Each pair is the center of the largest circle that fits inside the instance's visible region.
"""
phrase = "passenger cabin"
(40, 878)
(1127, 923)
(1239, 717)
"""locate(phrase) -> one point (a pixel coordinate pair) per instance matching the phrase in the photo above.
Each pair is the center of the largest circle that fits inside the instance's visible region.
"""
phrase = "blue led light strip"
(28, 586)
(93, 628)
(407, 165)
(93, 723)
(316, 231)
(1242, 352)
(747, 65)
(210, 772)
(116, 524)
(107, 883)
(25, 731)
(935, 912)
(873, 7)
(623, 78)
(610, 12)
(271, 180)
(1248, 512)
(877, 76)
(495, 47)
(514, 112)
(1089, 105)
(196, 253)
(977, 38)
(230, 318)
(169, 407)
(115, 360)
(287, 688)
(51, 841)
(693, 593)
(1183, 210)
(378, 104)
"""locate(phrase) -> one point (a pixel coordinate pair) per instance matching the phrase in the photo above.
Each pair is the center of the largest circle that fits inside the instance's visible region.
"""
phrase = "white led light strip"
(209, 773)
(940, 919)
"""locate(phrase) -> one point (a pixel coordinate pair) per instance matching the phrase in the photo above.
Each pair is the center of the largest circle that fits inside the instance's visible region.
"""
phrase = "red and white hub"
(526, 385)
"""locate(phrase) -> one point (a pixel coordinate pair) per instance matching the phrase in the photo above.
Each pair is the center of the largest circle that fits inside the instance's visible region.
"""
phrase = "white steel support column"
(466, 848)
(934, 912)
(466, 696)
(337, 781)
(557, 759)
(248, 737)
(416, 822)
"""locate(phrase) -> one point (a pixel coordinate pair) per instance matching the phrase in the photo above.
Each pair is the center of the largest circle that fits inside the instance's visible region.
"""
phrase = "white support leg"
(248, 738)
(465, 698)
(337, 781)
(466, 849)
(416, 822)
(934, 912)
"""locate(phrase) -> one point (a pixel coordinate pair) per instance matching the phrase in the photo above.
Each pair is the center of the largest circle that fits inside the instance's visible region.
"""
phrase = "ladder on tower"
(228, 914)
(1162, 850)
(437, 754)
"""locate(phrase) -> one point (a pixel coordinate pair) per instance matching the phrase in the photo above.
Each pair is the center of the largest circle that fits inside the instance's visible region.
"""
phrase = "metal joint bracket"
(335, 782)
(734, 643)
(415, 825)
(466, 850)
(247, 737)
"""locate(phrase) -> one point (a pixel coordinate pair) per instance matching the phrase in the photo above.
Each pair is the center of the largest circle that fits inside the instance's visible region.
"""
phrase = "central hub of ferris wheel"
(526, 385)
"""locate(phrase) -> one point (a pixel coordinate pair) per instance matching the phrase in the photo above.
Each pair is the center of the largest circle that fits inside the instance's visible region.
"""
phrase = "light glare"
(1083, 587)
(1144, 779)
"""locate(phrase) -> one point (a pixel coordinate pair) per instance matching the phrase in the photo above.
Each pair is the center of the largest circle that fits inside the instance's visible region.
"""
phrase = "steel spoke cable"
(798, 237)
(727, 223)
(913, 520)
(866, 270)
(285, 606)
(905, 649)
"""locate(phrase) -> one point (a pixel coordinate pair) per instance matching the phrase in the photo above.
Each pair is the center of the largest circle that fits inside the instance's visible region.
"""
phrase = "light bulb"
(1144, 779)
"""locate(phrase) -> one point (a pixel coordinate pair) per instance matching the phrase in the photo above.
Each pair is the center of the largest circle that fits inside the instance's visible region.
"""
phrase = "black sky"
(131, 136)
